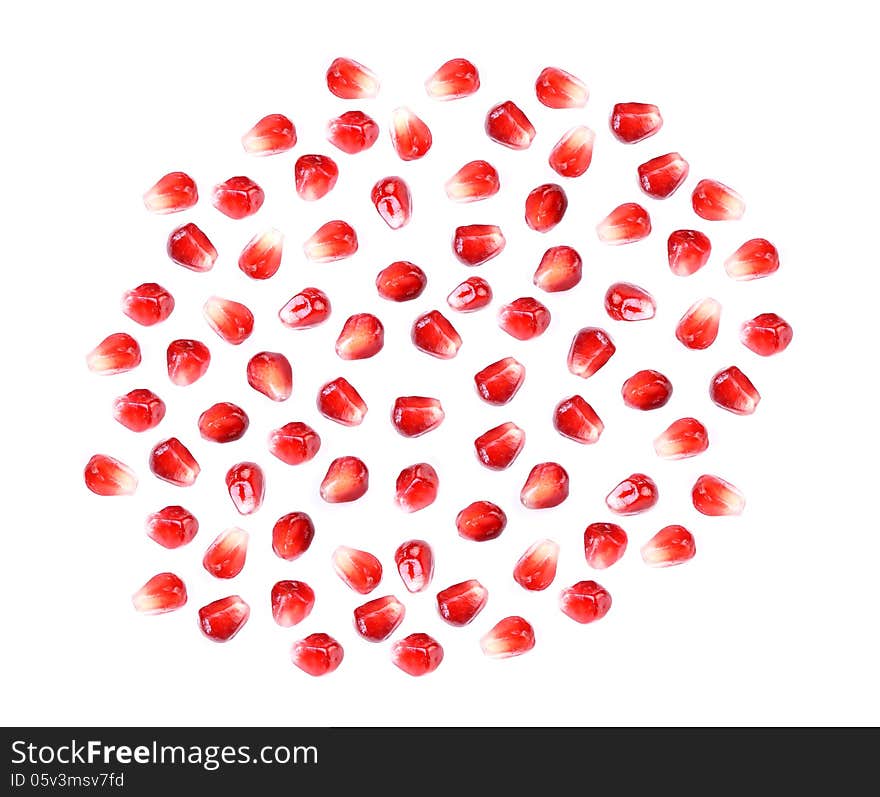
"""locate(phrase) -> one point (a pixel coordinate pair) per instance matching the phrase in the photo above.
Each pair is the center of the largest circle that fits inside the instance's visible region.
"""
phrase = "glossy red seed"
(147, 304)
(247, 487)
(272, 135)
(226, 555)
(139, 410)
(292, 602)
(410, 136)
(269, 373)
(472, 294)
(292, 535)
(766, 334)
(332, 241)
(417, 654)
(402, 281)
(362, 336)
(416, 487)
(108, 476)
(474, 181)
(646, 390)
(461, 603)
(222, 619)
(475, 244)
(557, 88)
(223, 422)
(415, 564)
(698, 327)
(572, 155)
(455, 79)
(626, 224)
(306, 309)
(732, 390)
(715, 201)
(294, 443)
(189, 247)
(506, 124)
(585, 602)
(350, 80)
(393, 201)
(546, 486)
(172, 193)
(414, 416)
(352, 132)
(499, 382)
(627, 302)
(635, 121)
(317, 654)
(358, 569)
(536, 568)
(604, 544)
(545, 207)
(433, 334)
(575, 419)
(378, 619)
(683, 438)
(662, 176)
(481, 521)
(511, 636)
(590, 349)
(347, 479)
(172, 461)
(339, 401)
(715, 497)
(237, 197)
(755, 259)
(560, 269)
(261, 257)
(672, 545)
(314, 176)
(187, 361)
(524, 318)
(116, 354)
(688, 251)
(500, 446)
(172, 526)
(232, 321)
(163, 593)
(636, 493)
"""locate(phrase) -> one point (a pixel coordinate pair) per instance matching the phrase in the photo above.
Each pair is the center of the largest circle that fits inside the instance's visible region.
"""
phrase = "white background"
(774, 622)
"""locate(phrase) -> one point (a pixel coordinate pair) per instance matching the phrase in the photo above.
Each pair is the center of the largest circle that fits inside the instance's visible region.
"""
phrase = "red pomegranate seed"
(108, 476)
(626, 224)
(536, 568)
(171, 461)
(688, 251)
(393, 201)
(499, 382)
(273, 134)
(715, 201)
(455, 79)
(317, 654)
(237, 197)
(472, 294)
(524, 318)
(474, 181)
(475, 244)
(306, 309)
(139, 410)
(402, 281)
(461, 603)
(766, 334)
(410, 136)
(172, 526)
(732, 390)
(604, 544)
(627, 302)
(222, 619)
(347, 479)
(261, 258)
(172, 193)
(557, 88)
(716, 497)
(500, 446)
(223, 422)
(417, 654)
(292, 535)
(433, 334)
(755, 259)
(672, 545)
(585, 602)
(187, 361)
(545, 207)
(358, 569)
(332, 241)
(414, 416)
(189, 247)
(362, 336)
(164, 592)
(575, 419)
(506, 124)
(231, 320)
(147, 304)
(646, 390)
(415, 564)
(269, 373)
(698, 327)
(292, 602)
(378, 619)
(546, 486)
(352, 132)
(511, 636)
(226, 556)
(572, 155)
(314, 176)
(339, 401)
(683, 438)
(636, 493)
(247, 487)
(349, 80)
(417, 487)
(116, 354)
(294, 443)
(481, 521)
(635, 121)
(662, 176)
(560, 269)
(590, 349)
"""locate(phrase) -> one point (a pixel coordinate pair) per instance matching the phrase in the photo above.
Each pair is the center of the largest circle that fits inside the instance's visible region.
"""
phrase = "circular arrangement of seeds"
(433, 331)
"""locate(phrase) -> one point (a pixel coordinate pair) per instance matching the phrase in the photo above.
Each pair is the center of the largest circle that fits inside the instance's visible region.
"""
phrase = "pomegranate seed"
(306, 309)
(717, 498)
(358, 569)
(499, 382)
(314, 176)
(189, 247)
(545, 207)
(453, 80)
(269, 373)
(292, 535)
(698, 327)
(226, 556)
(604, 544)
(732, 390)
(410, 136)
(524, 318)
(232, 321)
(294, 443)
(683, 438)
(273, 134)
(147, 304)
(222, 619)
(350, 80)
(362, 336)
(506, 124)
(187, 361)
(635, 494)
(317, 654)
(755, 259)
(715, 201)
(417, 654)
(223, 422)
(247, 487)
(626, 224)
(339, 401)
(474, 181)
(575, 419)
(237, 197)
(688, 251)
(292, 602)
(415, 564)
(635, 121)
(646, 390)
(481, 521)
(261, 258)
(500, 446)
(402, 281)
(108, 476)
(139, 410)
(332, 241)
(433, 334)
(172, 526)
(414, 416)
(662, 176)
(417, 487)
(511, 636)
(172, 193)
(164, 592)
(572, 155)
(171, 461)
(585, 602)
(536, 568)
(347, 479)
(475, 244)
(393, 201)
(461, 603)
(672, 545)
(560, 269)
(546, 486)
(472, 294)
(559, 89)
(352, 132)
(590, 349)
(378, 619)
(627, 302)
(766, 334)
(116, 354)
